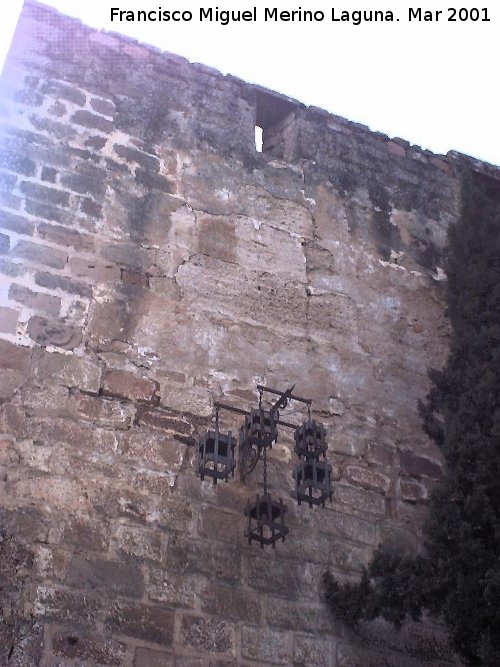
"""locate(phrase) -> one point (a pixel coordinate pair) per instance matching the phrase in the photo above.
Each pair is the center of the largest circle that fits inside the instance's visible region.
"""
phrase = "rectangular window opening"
(275, 125)
(258, 139)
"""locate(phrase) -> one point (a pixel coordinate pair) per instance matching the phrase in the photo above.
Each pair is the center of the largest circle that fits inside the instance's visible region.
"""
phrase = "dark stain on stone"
(386, 235)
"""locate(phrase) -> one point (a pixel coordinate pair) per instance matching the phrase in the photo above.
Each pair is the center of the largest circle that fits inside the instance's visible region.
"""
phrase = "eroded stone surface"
(153, 262)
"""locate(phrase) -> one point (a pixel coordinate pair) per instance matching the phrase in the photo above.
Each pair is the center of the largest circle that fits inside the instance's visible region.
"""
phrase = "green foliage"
(457, 576)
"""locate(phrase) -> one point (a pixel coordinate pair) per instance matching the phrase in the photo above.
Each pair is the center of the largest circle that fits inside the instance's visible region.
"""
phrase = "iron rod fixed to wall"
(239, 411)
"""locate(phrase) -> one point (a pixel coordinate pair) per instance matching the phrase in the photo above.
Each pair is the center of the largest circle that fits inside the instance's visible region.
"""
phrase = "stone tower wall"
(153, 262)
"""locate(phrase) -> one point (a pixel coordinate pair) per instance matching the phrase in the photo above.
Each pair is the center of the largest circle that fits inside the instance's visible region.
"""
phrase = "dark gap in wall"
(275, 121)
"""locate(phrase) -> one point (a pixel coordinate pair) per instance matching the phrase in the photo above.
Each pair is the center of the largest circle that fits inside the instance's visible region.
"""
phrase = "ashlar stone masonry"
(152, 261)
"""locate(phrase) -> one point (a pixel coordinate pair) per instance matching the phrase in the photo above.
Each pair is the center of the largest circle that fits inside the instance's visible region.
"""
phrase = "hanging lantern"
(260, 428)
(216, 455)
(313, 482)
(310, 440)
(266, 520)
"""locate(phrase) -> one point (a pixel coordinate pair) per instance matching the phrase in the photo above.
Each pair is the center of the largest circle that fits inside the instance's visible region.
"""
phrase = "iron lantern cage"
(313, 482)
(310, 440)
(266, 521)
(260, 428)
(216, 455)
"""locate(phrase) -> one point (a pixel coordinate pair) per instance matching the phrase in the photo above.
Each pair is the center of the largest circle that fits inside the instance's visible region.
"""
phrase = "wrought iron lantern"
(266, 521)
(260, 428)
(216, 459)
(310, 440)
(313, 482)
(216, 454)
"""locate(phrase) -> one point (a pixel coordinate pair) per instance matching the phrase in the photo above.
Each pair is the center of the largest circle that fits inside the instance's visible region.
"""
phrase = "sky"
(431, 82)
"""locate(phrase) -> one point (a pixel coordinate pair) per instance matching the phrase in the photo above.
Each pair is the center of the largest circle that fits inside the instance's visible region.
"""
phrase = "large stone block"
(310, 650)
(8, 320)
(113, 577)
(265, 646)
(172, 590)
(46, 303)
(140, 545)
(69, 607)
(69, 371)
(54, 332)
(232, 603)
(15, 362)
(127, 385)
(75, 645)
(208, 634)
(146, 657)
(143, 622)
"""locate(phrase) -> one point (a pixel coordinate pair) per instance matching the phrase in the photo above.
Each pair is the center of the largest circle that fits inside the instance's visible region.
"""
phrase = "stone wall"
(153, 262)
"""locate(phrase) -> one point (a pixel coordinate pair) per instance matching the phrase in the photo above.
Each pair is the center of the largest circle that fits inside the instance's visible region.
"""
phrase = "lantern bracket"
(259, 431)
(249, 452)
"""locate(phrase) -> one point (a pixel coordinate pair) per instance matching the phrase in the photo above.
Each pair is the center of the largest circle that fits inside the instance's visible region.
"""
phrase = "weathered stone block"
(171, 589)
(127, 385)
(75, 645)
(49, 212)
(64, 91)
(84, 184)
(417, 465)
(368, 478)
(37, 300)
(157, 451)
(413, 639)
(49, 174)
(144, 545)
(226, 526)
(53, 282)
(232, 603)
(176, 515)
(85, 534)
(146, 657)
(95, 270)
(412, 491)
(8, 320)
(46, 401)
(21, 164)
(264, 645)
(69, 371)
(65, 237)
(154, 181)
(165, 422)
(357, 500)
(133, 155)
(11, 420)
(7, 181)
(105, 107)
(16, 223)
(15, 363)
(92, 121)
(207, 634)
(53, 332)
(91, 208)
(309, 651)
(220, 561)
(44, 193)
(151, 624)
(40, 254)
(67, 607)
(4, 244)
(103, 411)
(294, 615)
(135, 507)
(113, 577)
